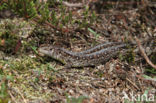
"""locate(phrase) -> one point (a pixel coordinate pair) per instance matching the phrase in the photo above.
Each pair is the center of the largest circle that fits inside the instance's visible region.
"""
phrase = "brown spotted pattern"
(93, 56)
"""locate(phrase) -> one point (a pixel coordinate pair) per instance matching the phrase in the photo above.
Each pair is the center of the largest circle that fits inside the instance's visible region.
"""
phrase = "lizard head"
(46, 50)
(51, 51)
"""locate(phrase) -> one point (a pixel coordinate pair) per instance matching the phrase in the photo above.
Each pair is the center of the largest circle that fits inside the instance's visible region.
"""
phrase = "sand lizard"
(93, 56)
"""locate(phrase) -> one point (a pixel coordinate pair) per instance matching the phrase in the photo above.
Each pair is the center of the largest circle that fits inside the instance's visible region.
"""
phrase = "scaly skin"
(97, 48)
(93, 56)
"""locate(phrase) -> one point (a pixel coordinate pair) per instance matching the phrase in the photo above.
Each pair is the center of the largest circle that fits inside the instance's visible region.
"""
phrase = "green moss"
(4, 96)
(153, 58)
(129, 56)
(24, 8)
(99, 73)
(29, 73)
(24, 63)
(3, 6)
(149, 69)
(9, 41)
(80, 99)
(12, 33)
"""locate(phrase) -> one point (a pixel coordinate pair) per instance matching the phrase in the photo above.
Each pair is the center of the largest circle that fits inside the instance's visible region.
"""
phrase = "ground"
(27, 77)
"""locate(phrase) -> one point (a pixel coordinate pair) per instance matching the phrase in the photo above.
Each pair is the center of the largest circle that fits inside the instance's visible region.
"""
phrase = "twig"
(144, 54)
(12, 97)
(71, 4)
(66, 3)
(22, 96)
(50, 25)
(133, 84)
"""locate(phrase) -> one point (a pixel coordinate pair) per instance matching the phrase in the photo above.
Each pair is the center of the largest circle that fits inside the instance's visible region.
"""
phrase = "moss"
(24, 63)
(8, 42)
(153, 58)
(29, 75)
(99, 73)
(12, 32)
(4, 96)
(149, 69)
(129, 56)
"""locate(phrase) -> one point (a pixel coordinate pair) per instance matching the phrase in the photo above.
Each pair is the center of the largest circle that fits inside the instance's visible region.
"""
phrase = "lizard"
(91, 57)
(97, 48)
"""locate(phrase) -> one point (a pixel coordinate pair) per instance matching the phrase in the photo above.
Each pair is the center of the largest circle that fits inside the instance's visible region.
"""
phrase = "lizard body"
(93, 56)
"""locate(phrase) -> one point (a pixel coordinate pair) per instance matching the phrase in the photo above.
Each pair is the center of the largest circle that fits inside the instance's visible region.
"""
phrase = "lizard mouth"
(40, 52)
(45, 51)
